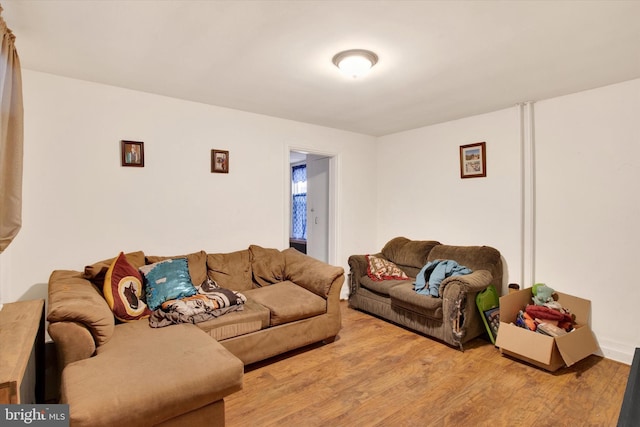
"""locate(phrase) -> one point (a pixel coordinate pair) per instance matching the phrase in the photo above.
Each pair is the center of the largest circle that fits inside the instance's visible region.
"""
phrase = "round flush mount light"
(355, 62)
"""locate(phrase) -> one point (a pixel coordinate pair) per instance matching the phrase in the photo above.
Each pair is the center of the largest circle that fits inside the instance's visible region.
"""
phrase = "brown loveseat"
(117, 374)
(452, 317)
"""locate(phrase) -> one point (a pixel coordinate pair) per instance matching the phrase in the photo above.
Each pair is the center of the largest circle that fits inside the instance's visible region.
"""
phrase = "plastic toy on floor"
(545, 295)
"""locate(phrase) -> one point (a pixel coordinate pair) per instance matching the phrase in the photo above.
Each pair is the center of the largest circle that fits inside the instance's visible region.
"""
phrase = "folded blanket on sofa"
(431, 275)
(210, 301)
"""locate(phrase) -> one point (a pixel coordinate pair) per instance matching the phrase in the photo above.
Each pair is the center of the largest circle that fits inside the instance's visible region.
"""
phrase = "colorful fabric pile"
(546, 315)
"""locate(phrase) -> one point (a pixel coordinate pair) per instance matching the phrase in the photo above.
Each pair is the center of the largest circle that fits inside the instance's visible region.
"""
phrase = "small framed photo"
(219, 161)
(473, 160)
(132, 153)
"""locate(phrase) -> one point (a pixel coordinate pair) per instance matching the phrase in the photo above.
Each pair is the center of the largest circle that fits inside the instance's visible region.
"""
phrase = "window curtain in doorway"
(11, 138)
(299, 205)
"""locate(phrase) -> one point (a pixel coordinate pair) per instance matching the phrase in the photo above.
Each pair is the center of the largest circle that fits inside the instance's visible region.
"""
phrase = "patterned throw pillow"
(167, 280)
(123, 290)
(381, 269)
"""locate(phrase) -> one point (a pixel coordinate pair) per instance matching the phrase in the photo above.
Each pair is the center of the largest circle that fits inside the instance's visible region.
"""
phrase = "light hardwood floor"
(379, 374)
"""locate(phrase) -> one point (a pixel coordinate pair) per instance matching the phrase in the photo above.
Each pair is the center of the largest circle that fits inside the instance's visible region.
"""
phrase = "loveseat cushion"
(74, 299)
(405, 252)
(288, 302)
(197, 262)
(405, 297)
(380, 286)
(473, 257)
(231, 270)
(144, 376)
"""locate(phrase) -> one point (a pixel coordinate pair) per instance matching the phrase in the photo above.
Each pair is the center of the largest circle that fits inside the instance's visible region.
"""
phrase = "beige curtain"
(11, 136)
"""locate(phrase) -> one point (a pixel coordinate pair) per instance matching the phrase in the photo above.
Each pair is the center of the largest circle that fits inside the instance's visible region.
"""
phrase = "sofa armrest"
(73, 342)
(314, 275)
(73, 298)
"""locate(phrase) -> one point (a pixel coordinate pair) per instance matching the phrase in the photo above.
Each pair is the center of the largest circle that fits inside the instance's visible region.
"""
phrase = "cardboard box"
(541, 350)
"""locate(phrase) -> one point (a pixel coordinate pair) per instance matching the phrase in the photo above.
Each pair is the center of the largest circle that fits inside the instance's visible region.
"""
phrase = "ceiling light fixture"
(355, 62)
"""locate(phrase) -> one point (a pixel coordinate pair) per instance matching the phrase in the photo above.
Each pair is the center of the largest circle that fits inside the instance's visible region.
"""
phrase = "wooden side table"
(22, 352)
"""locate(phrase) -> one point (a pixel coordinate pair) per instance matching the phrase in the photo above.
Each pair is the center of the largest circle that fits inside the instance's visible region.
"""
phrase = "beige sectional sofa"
(453, 316)
(115, 373)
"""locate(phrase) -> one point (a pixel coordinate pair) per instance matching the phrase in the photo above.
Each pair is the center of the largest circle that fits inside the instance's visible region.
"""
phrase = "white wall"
(81, 206)
(587, 199)
(588, 206)
(421, 195)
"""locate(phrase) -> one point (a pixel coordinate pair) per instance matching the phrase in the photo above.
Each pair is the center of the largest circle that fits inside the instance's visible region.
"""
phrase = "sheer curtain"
(299, 206)
(11, 137)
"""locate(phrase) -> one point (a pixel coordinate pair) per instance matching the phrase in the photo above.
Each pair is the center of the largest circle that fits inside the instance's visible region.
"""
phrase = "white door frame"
(332, 218)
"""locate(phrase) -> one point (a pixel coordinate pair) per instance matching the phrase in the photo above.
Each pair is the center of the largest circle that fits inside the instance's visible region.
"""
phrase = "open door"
(318, 207)
(319, 216)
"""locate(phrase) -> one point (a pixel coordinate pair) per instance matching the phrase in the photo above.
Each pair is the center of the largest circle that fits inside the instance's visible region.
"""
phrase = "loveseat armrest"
(468, 283)
(461, 318)
(357, 269)
(312, 274)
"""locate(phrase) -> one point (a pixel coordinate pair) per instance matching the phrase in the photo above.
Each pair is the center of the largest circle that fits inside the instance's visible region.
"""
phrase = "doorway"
(318, 218)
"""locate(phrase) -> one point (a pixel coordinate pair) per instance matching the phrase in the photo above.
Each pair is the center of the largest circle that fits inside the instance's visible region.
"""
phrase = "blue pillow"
(167, 280)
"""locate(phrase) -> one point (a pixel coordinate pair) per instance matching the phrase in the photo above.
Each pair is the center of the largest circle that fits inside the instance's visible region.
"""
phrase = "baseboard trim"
(619, 352)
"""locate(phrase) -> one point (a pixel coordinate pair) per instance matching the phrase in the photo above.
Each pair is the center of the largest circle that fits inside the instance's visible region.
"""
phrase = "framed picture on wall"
(473, 160)
(132, 153)
(219, 161)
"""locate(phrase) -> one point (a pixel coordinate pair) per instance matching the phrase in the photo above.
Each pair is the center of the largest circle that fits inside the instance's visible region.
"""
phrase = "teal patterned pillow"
(167, 280)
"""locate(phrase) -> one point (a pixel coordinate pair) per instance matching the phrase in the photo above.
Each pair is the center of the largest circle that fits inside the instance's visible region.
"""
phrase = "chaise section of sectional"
(146, 376)
(129, 373)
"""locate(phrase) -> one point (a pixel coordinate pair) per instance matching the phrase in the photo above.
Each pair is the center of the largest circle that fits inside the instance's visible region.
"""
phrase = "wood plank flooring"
(379, 374)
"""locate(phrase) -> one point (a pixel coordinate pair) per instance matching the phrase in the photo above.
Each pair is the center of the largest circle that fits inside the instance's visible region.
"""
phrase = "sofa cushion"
(380, 286)
(96, 271)
(197, 262)
(405, 297)
(231, 270)
(288, 302)
(123, 290)
(251, 318)
(74, 299)
(154, 375)
(267, 265)
(312, 274)
(166, 280)
(382, 269)
(412, 253)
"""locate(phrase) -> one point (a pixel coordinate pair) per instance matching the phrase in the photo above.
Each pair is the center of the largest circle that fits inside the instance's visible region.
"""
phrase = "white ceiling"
(439, 60)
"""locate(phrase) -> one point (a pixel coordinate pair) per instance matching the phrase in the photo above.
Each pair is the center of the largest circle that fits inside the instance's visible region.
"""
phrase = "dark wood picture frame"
(473, 160)
(132, 153)
(219, 161)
